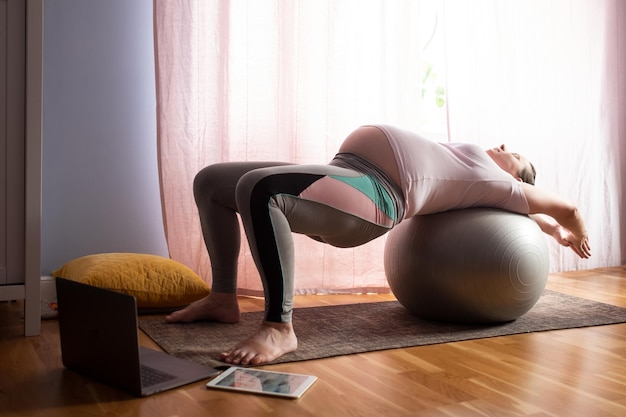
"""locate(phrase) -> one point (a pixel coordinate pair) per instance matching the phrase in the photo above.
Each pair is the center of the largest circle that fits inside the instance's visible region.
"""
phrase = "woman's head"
(528, 174)
(513, 163)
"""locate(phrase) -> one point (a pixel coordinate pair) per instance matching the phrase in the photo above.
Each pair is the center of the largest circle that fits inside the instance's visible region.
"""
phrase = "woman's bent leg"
(273, 203)
(316, 200)
(214, 192)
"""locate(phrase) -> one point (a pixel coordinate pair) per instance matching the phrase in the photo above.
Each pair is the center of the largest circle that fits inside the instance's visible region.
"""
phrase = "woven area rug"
(356, 328)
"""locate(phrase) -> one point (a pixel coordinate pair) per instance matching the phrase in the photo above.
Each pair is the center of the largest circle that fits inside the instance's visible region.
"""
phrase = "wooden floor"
(579, 372)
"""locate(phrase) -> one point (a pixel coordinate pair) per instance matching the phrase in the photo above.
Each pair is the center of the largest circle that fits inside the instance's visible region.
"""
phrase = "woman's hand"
(558, 218)
(566, 238)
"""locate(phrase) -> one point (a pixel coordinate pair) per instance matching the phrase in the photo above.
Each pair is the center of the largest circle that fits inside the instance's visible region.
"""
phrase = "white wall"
(100, 178)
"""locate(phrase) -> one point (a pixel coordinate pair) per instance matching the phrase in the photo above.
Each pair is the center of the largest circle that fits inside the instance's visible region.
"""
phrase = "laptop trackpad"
(163, 369)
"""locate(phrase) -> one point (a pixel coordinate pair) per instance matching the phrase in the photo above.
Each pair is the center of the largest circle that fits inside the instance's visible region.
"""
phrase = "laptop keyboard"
(151, 376)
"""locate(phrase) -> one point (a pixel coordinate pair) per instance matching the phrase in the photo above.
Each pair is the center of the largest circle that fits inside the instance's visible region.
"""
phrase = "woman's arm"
(564, 223)
(546, 223)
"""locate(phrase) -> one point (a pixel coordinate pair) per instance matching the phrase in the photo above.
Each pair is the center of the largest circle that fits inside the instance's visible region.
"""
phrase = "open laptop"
(99, 339)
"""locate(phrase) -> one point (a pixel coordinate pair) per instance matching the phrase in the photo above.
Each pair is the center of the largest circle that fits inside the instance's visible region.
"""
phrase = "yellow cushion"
(155, 281)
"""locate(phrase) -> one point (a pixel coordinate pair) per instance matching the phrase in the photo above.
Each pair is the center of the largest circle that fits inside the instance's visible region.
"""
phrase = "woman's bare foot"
(221, 307)
(270, 342)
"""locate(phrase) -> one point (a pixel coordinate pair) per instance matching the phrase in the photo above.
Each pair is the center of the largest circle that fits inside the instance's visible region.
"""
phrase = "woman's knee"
(246, 185)
(208, 179)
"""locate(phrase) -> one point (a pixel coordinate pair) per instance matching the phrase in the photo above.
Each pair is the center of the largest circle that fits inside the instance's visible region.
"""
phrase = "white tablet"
(259, 381)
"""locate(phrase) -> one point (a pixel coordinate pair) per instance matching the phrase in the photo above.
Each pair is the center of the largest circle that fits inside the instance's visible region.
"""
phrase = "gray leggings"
(329, 203)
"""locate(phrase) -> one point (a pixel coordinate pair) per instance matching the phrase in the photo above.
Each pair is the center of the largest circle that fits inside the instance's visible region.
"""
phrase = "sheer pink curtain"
(288, 80)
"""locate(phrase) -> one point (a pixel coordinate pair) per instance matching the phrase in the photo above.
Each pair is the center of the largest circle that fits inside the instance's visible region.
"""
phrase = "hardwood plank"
(575, 372)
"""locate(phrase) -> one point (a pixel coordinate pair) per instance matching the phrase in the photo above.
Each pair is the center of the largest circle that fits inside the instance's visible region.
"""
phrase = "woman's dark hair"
(528, 174)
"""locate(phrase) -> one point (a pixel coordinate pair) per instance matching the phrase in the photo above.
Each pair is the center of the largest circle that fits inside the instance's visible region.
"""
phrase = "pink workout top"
(439, 177)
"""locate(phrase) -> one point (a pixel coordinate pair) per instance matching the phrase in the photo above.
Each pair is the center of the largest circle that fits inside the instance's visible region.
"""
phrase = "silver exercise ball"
(473, 265)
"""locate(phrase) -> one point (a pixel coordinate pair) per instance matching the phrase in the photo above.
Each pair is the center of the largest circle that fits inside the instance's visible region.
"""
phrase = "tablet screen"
(263, 382)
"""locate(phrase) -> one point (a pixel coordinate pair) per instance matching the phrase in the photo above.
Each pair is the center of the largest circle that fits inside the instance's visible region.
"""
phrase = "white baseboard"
(48, 298)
